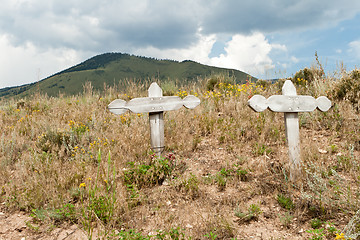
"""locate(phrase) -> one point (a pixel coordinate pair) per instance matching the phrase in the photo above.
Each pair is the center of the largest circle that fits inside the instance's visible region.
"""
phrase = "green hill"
(114, 68)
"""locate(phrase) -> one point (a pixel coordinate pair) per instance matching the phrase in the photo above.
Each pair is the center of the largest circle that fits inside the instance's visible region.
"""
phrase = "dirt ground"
(15, 226)
(19, 225)
(189, 213)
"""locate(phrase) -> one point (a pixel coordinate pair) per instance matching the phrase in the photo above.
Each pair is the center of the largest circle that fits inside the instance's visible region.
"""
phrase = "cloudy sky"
(265, 38)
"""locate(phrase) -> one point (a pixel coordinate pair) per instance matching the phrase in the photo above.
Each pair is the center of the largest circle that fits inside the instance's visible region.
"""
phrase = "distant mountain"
(114, 68)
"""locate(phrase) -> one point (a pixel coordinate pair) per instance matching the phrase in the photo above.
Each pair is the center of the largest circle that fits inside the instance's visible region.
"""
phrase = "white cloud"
(294, 59)
(338, 51)
(354, 48)
(197, 52)
(250, 54)
(27, 63)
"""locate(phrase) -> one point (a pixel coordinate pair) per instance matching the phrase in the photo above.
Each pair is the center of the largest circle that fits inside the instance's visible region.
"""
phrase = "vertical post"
(156, 123)
(292, 134)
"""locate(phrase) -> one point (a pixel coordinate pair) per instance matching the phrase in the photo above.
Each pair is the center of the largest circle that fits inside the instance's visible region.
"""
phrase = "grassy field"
(223, 175)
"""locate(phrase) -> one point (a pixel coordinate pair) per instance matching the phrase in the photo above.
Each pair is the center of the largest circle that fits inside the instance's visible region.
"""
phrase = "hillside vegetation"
(223, 175)
(111, 69)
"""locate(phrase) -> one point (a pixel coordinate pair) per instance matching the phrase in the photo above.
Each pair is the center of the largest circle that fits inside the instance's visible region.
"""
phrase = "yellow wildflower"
(340, 236)
(82, 185)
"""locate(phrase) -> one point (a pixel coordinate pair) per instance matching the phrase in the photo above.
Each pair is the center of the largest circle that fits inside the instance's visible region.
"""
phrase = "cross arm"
(283, 103)
(153, 104)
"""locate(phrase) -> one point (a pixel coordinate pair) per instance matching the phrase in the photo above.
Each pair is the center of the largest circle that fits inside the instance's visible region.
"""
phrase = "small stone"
(168, 203)
(189, 226)
(301, 231)
(323, 151)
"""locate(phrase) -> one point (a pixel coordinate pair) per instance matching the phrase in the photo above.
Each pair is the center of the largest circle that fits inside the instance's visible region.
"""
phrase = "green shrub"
(242, 174)
(349, 89)
(285, 202)
(147, 175)
(252, 214)
(316, 223)
(191, 186)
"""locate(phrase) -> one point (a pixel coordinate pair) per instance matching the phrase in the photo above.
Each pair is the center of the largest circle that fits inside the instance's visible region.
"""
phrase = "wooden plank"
(281, 103)
(157, 140)
(154, 104)
(293, 139)
(191, 102)
(154, 90)
(156, 120)
(118, 106)
(323, 103)
(292, 134)
(258, 103)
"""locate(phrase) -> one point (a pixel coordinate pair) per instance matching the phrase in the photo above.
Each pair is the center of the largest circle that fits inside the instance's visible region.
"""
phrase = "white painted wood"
(156, 119)
(292, 134)
(154, 90)
(118, 106)
(289, 89)
(290, 103)
(191, 102)
(323, 103)
(283, 103)
(293, 139)
(258, 103)
(153, 104)
(157, 139)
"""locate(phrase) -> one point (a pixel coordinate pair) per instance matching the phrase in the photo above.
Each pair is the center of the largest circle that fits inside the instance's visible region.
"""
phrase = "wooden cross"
(155, 105)
(290, 104)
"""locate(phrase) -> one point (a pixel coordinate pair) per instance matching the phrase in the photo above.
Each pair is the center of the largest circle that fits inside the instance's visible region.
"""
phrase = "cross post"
(290, 104)
(155, 104)
(156, 120)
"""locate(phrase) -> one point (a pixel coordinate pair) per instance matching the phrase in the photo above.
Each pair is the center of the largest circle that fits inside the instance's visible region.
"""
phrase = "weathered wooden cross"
(291, 104)
(155, 105)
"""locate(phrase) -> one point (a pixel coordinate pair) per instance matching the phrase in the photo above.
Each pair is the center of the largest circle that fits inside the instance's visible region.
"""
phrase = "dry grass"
(69, 159)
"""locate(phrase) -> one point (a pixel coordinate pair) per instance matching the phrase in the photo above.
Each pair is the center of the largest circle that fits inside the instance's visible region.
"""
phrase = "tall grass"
(68, 159)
